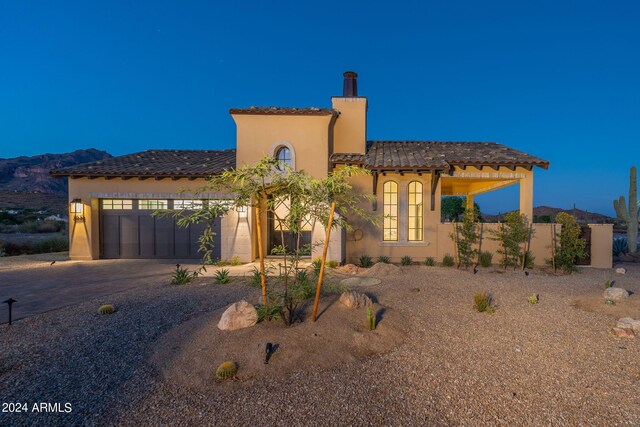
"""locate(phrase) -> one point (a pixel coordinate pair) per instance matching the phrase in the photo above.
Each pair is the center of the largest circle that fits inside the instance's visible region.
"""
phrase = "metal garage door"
(128, 229)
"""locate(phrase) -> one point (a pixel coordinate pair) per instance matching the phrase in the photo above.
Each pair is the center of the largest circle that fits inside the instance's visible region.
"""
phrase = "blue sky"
(558, 79)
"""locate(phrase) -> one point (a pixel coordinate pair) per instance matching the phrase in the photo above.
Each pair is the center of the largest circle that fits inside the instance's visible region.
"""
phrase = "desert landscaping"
(431, 359)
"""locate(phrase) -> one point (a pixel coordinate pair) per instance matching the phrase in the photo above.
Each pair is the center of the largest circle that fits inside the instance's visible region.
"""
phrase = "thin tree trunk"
(479, 243)
(527, 246)
(263, 281)
(324, 260)
(553, 246)
(455, 245)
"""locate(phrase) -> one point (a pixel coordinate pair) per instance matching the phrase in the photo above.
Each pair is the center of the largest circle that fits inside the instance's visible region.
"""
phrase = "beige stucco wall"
(350, 130)
(84, 237)
(259, 135)
(601, 245)
(540, 242)
(366, 238)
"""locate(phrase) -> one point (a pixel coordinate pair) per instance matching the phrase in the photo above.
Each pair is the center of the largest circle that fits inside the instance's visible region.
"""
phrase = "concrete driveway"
(39, 286)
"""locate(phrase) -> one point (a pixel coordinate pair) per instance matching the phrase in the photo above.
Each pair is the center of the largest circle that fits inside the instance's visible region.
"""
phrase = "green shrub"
(465, 237)
(570, 245)
(255, 279)
(609, 284)
(384, 259)
(222, 276)
(512, 235)
(429, 262)
(528, 260)
(276, 311)
(235, 260)
(447, 261)
(332, 264)
(182, 276)
(50, 244)
(406, 260)
(226, 371)
(533, 299)
(485, 259)
(317, 265)
(483, 303)
(106, 309)
(365, 261)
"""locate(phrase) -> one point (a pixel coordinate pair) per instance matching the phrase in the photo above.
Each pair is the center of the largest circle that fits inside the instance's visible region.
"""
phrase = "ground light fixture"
(9, 302)
(77, 210)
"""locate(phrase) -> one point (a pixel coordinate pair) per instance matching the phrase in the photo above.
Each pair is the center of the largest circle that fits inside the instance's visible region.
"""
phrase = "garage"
(128, 229)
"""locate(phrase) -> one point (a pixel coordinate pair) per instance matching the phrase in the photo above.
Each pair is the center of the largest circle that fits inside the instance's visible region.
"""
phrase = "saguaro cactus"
(629, 213)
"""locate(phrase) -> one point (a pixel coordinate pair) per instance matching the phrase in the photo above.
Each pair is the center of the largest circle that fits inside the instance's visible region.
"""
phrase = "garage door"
(128, 229)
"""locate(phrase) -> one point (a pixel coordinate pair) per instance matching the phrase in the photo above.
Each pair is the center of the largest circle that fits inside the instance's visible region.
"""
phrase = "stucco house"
(112, 201)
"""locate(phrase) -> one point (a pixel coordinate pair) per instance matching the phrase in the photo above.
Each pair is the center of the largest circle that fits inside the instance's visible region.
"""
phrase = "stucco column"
(526, 195)
(470, 202)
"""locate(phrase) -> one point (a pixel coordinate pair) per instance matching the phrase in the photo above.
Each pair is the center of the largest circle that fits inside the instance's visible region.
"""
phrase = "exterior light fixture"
(9, 302)
(242, 211)
(77, 210)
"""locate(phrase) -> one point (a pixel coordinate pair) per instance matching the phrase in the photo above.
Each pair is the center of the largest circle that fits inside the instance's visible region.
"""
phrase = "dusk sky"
(559, 80)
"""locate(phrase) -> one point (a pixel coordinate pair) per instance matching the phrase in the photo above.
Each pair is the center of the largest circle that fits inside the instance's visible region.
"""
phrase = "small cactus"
(533, 299)
(226, 370)
(106, 309)
(371, 317)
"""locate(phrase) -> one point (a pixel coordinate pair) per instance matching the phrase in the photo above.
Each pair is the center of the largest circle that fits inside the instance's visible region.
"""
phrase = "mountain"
(541, 212)
(31, 174)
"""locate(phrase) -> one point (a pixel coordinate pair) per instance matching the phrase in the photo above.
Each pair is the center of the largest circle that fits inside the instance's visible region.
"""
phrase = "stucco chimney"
(350, 86)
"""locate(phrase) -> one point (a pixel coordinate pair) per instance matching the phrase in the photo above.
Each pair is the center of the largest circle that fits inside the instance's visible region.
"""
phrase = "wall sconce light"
(76, 208)
(242, 211)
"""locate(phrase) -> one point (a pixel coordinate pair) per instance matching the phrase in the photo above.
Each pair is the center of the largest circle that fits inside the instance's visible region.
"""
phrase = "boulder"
(349, 269)
(239, 315)
(353, 299)
(621, 270)
(615, 294)
(622, 333)
(629, 323)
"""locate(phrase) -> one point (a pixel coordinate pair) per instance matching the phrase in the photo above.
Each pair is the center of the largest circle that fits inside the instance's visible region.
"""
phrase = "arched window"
(283, 155)
(415, 222)
(390, 211)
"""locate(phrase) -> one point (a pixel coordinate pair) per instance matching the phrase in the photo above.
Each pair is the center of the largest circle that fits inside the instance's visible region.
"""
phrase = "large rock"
(615, 294)
(239, 315)
(354, 299)
(629, 323)
(622, 333)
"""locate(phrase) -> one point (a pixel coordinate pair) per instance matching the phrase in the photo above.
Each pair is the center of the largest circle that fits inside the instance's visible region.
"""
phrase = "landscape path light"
(9, 302)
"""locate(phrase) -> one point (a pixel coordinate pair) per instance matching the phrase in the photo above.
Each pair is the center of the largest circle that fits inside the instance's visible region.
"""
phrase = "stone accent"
(239, 315)
(622, 333)
(615, 294)
(629, 323)
(354, 299)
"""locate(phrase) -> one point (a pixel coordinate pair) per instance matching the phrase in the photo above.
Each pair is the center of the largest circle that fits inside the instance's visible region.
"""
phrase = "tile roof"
(286, 111)
(157, 163)
(437, 155)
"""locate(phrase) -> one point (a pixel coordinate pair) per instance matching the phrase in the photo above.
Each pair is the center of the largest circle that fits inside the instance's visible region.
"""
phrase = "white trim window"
(152, 204)
(390, 211)
(116, 204)
(184, 204)
(415, 212)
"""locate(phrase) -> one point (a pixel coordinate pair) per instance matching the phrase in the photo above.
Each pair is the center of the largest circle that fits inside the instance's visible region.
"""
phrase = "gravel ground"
(544, 364)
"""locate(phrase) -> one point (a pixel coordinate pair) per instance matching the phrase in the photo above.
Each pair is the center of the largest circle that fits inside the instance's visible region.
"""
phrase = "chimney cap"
(350, 74)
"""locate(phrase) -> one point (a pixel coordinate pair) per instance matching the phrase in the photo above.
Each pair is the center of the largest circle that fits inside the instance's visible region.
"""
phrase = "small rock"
(615, 294)
(629, 323)
(354, 299)
(239, 315)
(622, 333)
(621, 270)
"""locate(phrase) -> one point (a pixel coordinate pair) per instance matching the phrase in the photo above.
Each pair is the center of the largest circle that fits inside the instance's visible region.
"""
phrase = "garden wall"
(541, 242)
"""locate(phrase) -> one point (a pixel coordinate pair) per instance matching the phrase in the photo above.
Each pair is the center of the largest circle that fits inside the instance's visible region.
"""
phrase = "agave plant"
(620, 246)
